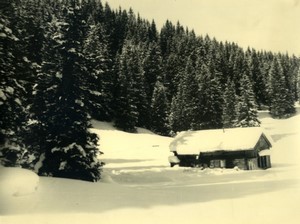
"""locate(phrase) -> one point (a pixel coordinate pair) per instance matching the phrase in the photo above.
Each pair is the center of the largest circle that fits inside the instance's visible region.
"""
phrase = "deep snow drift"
(17, 182)
(138, 186)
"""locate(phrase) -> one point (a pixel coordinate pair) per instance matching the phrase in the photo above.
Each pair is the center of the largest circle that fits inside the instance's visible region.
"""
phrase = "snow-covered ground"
(138, 186)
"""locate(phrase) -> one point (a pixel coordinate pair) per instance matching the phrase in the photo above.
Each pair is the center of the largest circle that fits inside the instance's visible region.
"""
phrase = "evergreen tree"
(259, 82)
(298, 84)
(12, 90)
(247, 107)
(152, 33)
(68, 148)
(139, 89)
(265, 66)
(191, 102)
(152, 67)
(239, 66)
(159, 110)
(288, 66)
(176, 116)
(172, 69)
(130, 93)
(185, 105)
(99, 87)
(229, 107)
(211, 100)
(282, 103)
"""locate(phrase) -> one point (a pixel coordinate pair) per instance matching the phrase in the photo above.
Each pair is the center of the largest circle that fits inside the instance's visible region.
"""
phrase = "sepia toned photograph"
(149, 111)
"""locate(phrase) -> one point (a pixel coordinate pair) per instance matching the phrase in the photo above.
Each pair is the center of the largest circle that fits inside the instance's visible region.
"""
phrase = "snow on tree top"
(233, 139)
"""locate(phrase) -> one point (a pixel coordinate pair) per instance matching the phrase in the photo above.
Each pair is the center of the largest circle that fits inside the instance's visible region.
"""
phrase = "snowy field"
(138, 186)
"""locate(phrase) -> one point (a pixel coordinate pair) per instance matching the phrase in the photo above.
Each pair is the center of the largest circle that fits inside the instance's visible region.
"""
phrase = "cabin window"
(229, 163)
(252, 164)
(222, 163)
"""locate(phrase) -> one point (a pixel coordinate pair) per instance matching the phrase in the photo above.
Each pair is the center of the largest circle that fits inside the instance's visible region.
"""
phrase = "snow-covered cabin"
(245, 148)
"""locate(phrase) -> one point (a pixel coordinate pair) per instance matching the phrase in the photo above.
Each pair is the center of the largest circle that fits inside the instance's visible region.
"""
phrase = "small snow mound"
(106, 178)
(144, 131)
(101, 125)
(17, 182)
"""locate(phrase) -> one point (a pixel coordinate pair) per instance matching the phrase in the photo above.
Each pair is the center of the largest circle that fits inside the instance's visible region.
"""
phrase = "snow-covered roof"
(264, 152)
(233, 139)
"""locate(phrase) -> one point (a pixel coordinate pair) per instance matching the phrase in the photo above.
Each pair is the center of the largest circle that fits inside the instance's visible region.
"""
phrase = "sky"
(262, 24)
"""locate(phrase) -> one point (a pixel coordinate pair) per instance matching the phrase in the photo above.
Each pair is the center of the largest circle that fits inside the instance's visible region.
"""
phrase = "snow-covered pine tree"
(230, 105)
(152, 66)
(172, 70)
(282, 103)
(238, 64)
(191, 102)
(12, 91)
(126, 114)
(259, 82)
(29, 26)
(99, 83)
(185, 105)
(294, 73)
(139, 86)
(166, 38)
(68, 148)
(152, 33)
(159, 110)
(211, 100)
(247, 107)
(131, 105)
(297, 81)
(176, 116)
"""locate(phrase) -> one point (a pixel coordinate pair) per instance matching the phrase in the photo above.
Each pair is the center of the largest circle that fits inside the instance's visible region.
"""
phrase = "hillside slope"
(139, 187)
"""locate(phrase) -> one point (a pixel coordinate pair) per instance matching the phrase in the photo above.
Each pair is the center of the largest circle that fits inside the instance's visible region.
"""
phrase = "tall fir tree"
(247, 107)
(159, 110)
(126, 112)
(172, 68)
(211, 100)
(152, 66)
(68, 148)
(191, 95)
(259, 82)
(230, 105)
(176, 115)
(185, 105)
(282, 103)
(13, 79)
(99, 87)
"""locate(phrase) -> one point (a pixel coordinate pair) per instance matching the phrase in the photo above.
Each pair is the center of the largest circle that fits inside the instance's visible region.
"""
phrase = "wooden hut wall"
(262, 144)
(228, 155)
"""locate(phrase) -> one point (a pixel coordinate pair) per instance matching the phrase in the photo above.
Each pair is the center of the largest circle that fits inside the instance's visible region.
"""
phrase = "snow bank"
(17, 182)
(122, 149)
(286, 134)
(281, 126)
(287, 150)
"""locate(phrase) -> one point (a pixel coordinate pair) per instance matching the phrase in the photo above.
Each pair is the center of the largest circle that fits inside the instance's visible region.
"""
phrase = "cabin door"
(264, 162)
(229, 163)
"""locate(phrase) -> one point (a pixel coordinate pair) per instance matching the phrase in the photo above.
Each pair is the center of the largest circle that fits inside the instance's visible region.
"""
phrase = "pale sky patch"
(261, 24)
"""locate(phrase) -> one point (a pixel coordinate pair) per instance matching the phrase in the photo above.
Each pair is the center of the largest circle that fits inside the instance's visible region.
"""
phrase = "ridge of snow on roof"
(232, 139)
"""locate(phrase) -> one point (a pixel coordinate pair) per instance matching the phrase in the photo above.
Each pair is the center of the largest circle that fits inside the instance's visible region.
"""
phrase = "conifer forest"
(66, 62)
